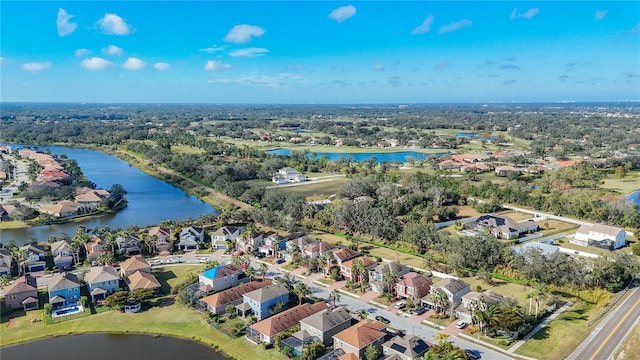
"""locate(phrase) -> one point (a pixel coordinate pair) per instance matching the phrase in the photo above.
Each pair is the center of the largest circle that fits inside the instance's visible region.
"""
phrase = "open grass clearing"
(562, 335)
(270, 145)
(13, 225)
(324, 189)
(186, 149)
(170, 276)
(624, 186)
(516, 216)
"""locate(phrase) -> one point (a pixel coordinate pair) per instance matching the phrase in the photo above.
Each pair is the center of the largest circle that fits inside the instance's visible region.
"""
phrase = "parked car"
(260, 255)
(154, 262)
(420, 310)
(382, 319)
(474, 354)
(400, 304)
(279, 261)
(461, 324)
(203, 260)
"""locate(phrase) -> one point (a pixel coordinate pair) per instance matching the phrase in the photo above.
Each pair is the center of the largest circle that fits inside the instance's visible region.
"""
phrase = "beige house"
(265, 330)
(218, 302)
(356, 338)
(22, 293)
(133, 264)
(142, 280)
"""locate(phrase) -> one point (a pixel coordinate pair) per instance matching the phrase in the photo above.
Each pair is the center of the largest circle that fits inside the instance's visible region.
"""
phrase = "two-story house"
(5, 262)
(320, 327)
(64, 290)
(221, 277)
(601, 236)
(161, 241)
(22, 293)
(261, 302)
(191, 238)
(407, 347)
(316, 249)
(129, 245)
(35, 258)
(414, 286)
(62, 254)
(377, 275)
(272, 243)
(452, 289)
(95, 248)
(101, 281)
(356, 338)
(349, 273)
(337, 256)
(249, 243)
(218, 302)
(264, 331)
(89, 199)
(472, 300)
(220, 237)
(133, 264)
(502, 227)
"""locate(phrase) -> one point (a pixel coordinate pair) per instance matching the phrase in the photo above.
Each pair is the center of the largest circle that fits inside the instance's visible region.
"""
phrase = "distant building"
(288, 175)
(501, 226)
(600, 236)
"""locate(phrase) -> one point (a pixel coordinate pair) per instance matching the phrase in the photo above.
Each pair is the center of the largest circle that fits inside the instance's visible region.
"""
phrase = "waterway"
(151, 200)
(111, 346)
(635, 197)
(401, 156)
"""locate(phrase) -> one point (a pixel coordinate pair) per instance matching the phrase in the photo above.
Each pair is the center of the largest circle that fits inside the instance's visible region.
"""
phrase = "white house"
(287, 175)
(220, 237)
(601, 236)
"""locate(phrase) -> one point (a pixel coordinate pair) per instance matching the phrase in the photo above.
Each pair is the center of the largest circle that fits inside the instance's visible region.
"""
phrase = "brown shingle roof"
(345, 254)
(234, 293)
(361, 334)
(287, 319)
(367, 262)
(141, 280)
(134, 263)
(101, 274)
(22, 284)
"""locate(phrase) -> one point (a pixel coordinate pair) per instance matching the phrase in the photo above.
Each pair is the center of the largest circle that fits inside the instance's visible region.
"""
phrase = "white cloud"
(64, 26)
(259, 80)
(601, 14)
(82, 52)
(113, 50)
(242, 34)
(162, 66)
(248, 52)
(454, 25)
(212, 49)
(113, 24)
(216, 65)
(378, 67)
(342, 13)
(96, 63)
(424, 27)
(36, 66)
(133, 64)
(525, 15)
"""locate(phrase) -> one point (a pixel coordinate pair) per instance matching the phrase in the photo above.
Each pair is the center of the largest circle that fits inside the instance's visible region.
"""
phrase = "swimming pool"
(67, 311)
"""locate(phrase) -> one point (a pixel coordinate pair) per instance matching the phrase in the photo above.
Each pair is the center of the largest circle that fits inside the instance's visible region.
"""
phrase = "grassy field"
(630, 183)
(323, 189)
(628, 350)
(186, 149)
(171, 276)
(562, 335)
(12, 225)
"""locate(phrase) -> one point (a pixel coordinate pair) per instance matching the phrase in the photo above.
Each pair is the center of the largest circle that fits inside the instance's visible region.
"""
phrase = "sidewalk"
(544, 323)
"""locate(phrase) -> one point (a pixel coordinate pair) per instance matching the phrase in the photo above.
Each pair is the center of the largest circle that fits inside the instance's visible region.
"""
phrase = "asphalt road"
(609, 333)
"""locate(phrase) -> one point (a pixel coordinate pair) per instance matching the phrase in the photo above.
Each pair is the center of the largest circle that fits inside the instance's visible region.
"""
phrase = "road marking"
(606, 340)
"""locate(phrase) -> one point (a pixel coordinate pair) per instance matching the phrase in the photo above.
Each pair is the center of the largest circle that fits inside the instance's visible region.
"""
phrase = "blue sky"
(319, 51)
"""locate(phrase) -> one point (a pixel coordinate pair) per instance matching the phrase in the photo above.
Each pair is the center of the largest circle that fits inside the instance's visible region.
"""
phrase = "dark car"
(420, 310)
(260, 255)
(279, 261)
(382, 319)
(474, 354)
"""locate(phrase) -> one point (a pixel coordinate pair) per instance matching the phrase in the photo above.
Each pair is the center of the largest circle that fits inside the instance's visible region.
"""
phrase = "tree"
(263, 270)
(313, 351)
(363, 314)
(334, 295)
(117, 299)
(359, 271)
(371, 352)
(288, 280)
(390, 279)
(250, 272)
(301, 290)
(277, 307)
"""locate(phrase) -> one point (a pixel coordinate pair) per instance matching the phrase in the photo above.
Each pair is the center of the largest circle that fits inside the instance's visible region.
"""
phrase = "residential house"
(218, 302)
(222, 277)
(288, 175)
(501, 226)
(453, 290)
(377, 275)
(264, 331)
(134, 264)
(337, 256)
(64, 290)
(191, 238)
(62, 254)
(474, 299)
(600, 236)
(260, 302)
(414, 286)
(35, 259)
(220, 237)
(5, 262)
(323, 325)
(89, 199)
(356, 338)
(506, 170)
(249, 243)
(450, 164)
(102, 281)
(406, 347)
(22, 293)
(160, 240)
(318, 248)
(95, 248)
(347, 268)
(272, 243)
(5, 212)
(301, 243)
(63, 209)
(128, 245)
(142, 280)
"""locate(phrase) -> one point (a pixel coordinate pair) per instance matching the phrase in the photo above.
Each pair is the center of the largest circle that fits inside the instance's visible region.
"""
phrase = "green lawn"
(562, 335)
(630, 183)
(171, 276)
(323, 189)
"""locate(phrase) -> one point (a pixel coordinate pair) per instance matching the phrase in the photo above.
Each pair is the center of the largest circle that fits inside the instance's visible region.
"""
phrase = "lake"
(635, 197)
(400, 156)
(151, 200)
(110, 347)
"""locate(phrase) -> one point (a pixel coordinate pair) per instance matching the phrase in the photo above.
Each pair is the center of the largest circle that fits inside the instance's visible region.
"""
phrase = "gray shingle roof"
(63, 281)
(327, 319)
(267, 293)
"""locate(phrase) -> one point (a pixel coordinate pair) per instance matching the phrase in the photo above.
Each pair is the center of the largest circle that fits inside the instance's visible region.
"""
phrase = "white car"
(203, 260)
(400, 304)
(461, 324)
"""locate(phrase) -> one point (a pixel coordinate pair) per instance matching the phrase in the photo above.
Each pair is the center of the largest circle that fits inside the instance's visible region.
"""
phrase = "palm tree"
(334, 295)
(263, 270)
(20, 255)
(441, 300)
(540, 294)
(390, 279)
(359, 270)
(301, 290)
(105, 259)
(442, 338)
(288, 280)
(363, 314)
(250, 272)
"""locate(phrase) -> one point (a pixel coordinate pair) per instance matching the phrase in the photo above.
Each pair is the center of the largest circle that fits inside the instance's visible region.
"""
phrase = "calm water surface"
(401, 156)
(151, 200)
(111, 347)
